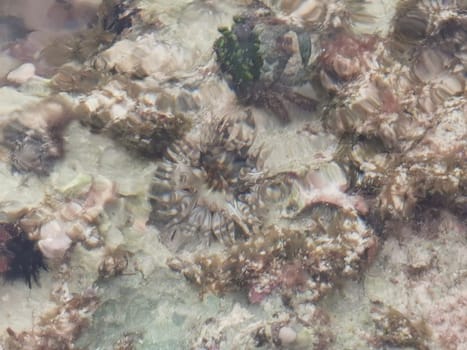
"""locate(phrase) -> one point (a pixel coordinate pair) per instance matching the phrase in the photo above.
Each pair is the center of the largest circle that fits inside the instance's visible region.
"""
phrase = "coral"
(34, 136)
(64, 219)
(417, 20)
(407, 107)
(199, 189)
(59, 328)
(281, 330)
(344, 58)
(19, 255)
(429, 169)
(395, 329)
(396, 99)
(113, 263)
(308, 261)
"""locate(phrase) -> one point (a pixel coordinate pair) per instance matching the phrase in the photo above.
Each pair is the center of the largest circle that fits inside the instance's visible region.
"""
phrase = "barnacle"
(20, 255)
(332, 246)
(199, 188)
(438, 25)
(113, 264)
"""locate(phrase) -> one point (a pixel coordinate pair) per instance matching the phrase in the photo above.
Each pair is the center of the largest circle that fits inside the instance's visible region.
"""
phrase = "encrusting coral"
(310, 260)
(61, 326)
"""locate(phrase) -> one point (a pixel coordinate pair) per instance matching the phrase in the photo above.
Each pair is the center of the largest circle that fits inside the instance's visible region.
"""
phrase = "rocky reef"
(308, 261)
(267, 60)
(288, 173)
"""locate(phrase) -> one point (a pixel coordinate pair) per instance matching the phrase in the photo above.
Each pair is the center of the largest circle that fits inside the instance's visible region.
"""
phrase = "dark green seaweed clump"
(238, 54)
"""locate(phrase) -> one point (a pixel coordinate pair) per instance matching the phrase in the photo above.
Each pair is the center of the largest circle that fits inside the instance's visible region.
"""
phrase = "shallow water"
(313, 172)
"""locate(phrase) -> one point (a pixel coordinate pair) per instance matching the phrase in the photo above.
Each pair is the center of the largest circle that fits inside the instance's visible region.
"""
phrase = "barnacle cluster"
(19, 255)
(132, 118)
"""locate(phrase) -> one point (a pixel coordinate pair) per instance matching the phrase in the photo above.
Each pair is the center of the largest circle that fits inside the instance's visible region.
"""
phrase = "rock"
(21, 74)
(287, 335)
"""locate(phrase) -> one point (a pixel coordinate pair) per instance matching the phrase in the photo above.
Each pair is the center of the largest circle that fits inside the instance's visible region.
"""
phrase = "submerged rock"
(301, 264)
(133, 121)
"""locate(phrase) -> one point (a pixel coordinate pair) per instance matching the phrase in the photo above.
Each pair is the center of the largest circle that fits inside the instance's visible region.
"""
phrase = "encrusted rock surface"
(339, 224)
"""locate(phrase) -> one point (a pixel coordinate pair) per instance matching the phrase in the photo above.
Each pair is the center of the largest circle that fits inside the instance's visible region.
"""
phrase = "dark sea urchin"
(19, 256)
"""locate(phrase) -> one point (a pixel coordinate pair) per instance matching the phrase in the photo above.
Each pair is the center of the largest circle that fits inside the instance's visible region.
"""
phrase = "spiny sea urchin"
(19, 256)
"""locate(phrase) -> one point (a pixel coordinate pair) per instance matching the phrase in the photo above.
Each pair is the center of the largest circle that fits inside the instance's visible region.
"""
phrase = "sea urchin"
(19, 256)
